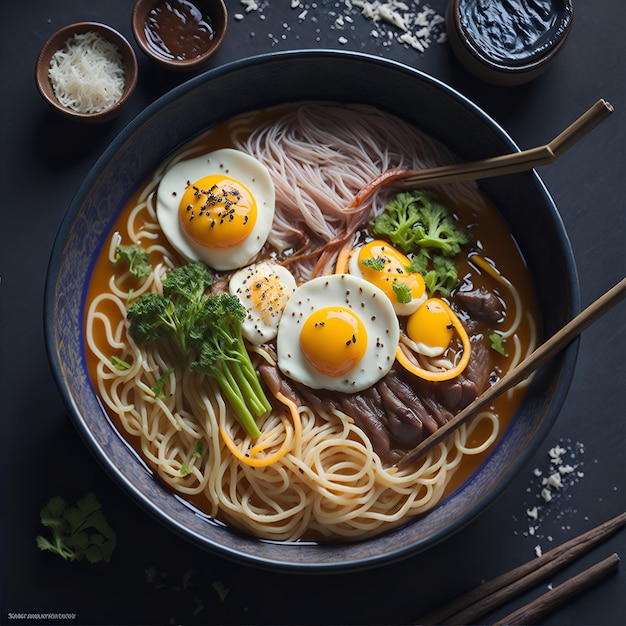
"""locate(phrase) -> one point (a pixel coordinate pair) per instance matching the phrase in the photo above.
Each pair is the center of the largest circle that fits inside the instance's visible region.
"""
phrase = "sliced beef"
(220, 286)
(405, 393)
(404, 425)
(457, 393)
(277, 383)
(480, 304)
(373, 421)
(399, 411)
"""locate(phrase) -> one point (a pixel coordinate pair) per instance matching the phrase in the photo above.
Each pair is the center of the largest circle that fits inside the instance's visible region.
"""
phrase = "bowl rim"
(219, 6)
(288, 564)
(61, 36)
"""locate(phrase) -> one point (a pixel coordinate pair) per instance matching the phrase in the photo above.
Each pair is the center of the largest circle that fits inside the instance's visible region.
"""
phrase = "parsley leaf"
(137, 258)
(375, 263)
(497, 344)
(402, 291)
(79, 532)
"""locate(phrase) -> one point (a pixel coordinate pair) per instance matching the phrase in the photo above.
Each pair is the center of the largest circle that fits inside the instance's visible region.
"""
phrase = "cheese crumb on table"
(409, 24)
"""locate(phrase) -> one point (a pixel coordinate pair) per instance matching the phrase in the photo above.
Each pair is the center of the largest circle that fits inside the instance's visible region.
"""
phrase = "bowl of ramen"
(251, 325)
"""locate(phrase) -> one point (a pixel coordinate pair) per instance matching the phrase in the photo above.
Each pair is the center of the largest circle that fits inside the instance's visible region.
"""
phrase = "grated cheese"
(87, 73)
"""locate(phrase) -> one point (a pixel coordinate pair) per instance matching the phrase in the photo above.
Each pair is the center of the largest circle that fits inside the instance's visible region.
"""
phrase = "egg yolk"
(384, 266)
(217, 211)
(431, 328)
(268, 295)
(333, 339)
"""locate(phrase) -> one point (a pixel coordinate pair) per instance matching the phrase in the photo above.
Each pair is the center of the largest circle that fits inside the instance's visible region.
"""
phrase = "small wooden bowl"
(57, 41)
(213, 10)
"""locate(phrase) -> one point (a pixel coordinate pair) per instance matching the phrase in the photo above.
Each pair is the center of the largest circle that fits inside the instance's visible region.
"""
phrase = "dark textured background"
(44, 158)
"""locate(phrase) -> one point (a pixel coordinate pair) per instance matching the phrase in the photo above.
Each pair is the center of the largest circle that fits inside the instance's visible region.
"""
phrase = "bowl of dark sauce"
(179, 35)
(508, 42)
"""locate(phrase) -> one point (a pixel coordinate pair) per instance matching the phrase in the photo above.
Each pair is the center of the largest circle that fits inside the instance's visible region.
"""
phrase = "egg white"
(236, 164)
(273, 285)
(373, 308)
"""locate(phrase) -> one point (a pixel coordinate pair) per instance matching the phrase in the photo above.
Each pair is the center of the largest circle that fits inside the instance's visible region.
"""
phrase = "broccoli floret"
(423, 228)
(222, 354)
(437, 230)
(398, 221)
(188, 281)
(150, 318)
(414, 219)
(207, 332)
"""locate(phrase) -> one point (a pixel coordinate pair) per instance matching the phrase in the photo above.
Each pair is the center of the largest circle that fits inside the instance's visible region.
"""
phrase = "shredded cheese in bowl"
(87, 74)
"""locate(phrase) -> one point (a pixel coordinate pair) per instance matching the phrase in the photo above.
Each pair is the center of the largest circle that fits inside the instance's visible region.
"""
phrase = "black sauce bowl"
(499, 70)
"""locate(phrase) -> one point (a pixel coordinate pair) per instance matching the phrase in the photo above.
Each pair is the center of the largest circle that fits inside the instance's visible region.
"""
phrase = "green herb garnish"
(119, 364)
(137, 258)
(402, 291)
(497, 344)
(375, 263)
(79, 532)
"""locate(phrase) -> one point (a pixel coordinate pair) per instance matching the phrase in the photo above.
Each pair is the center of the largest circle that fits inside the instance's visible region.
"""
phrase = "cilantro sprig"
(78, 532)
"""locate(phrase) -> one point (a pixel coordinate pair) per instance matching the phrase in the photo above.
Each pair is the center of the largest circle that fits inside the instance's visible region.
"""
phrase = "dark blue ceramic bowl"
(259, 82)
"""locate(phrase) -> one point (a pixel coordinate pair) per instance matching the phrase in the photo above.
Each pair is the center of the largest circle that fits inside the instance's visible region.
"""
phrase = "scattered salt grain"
(550, 487)
(546, 494)
(411, 25)
(250, 5)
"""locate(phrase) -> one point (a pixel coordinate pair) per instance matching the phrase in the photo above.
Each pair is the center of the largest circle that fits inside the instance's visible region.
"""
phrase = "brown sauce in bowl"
(178, 29)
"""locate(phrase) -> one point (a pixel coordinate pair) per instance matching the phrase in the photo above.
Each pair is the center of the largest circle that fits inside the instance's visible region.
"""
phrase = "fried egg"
(430, 328)
(264, 289)
(382, 265)
(337, 332)
(217, 208)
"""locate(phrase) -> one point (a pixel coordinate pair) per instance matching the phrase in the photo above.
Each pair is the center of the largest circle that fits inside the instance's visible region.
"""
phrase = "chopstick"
(511, 163)
(549, 601)
(543, 353)
(469, 607)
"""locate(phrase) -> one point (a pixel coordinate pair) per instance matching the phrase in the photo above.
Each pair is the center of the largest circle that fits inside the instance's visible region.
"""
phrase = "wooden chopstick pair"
(471, 606)
(511, 163)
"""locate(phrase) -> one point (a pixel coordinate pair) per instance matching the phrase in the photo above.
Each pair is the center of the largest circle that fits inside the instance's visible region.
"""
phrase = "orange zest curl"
(291, 432)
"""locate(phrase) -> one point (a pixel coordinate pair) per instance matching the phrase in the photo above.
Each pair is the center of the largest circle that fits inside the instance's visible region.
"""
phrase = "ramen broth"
(490, 237)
